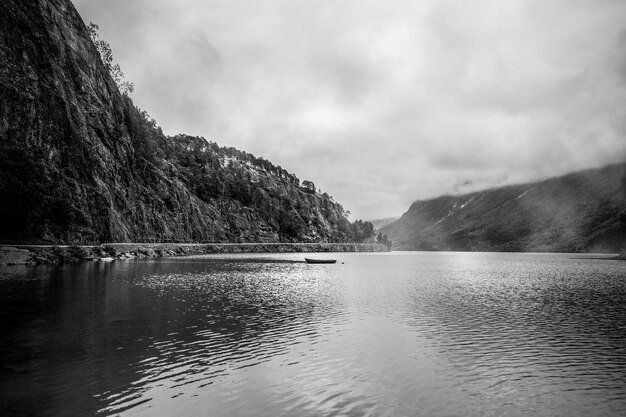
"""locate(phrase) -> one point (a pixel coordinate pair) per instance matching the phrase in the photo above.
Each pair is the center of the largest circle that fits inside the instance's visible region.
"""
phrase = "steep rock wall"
(68, 169)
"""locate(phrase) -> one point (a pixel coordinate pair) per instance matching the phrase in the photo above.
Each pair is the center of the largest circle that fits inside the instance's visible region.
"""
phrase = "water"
(432, 334)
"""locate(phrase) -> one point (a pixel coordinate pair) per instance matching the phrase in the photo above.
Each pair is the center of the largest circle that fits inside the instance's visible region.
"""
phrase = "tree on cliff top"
(103, 47)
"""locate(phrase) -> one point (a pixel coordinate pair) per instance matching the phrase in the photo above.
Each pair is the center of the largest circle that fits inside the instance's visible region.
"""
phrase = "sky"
(381, 103)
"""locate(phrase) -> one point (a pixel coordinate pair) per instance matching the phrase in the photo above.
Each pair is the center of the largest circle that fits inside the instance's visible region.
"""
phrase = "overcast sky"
(381, 103)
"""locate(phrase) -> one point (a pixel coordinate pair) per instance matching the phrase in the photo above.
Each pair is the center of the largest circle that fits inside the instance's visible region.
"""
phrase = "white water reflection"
(381, 334)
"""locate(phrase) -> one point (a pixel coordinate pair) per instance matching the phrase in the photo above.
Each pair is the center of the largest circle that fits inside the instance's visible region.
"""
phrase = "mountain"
(380, 223)
(582, 211)
(80, 163)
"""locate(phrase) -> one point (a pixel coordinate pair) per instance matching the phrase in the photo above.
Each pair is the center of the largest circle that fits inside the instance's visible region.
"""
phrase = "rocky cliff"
(79, 163)
(583, 211)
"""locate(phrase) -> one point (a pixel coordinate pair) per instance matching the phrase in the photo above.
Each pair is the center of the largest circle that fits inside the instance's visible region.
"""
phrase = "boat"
(320, 261)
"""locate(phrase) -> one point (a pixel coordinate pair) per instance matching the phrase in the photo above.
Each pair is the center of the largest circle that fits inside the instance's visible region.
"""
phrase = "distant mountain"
(380, 223)
(582, 211)
(80, 163)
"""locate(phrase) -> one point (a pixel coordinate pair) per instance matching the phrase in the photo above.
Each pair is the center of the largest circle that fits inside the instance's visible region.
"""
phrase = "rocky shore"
(48, 254)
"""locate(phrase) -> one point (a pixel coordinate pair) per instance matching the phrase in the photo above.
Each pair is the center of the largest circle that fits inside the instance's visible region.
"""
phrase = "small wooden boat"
(320, 261)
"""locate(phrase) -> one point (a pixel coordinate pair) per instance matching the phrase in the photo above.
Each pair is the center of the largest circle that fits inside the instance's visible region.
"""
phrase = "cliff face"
(79, 163)
(584, 211)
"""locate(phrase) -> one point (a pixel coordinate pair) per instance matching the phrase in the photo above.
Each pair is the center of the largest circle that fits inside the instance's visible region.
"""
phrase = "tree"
(104, 49)
(384, 239)
(362, 231)
(308, 186)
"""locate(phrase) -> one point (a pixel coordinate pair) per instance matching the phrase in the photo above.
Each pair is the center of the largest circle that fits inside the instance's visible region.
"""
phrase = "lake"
(388, 334)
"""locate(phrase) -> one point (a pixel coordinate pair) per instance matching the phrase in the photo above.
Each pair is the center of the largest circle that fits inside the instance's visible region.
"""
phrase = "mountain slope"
(380, 223)
(79, 163)
(582, 211)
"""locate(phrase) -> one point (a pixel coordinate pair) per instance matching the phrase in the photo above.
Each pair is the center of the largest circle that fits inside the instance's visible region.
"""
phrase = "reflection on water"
(381, 334)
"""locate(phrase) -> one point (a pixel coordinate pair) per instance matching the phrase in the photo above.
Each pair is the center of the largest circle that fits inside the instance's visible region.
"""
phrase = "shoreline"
(56, 254)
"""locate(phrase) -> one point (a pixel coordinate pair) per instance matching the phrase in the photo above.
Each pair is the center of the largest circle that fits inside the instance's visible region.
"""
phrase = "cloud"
(380, 103)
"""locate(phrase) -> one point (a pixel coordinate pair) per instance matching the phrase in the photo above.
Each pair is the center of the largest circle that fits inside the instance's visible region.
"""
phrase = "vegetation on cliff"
(227, 177)
(583, 211)
(80, 163)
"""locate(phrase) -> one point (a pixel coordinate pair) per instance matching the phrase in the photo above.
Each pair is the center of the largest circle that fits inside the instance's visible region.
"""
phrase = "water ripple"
(379, 335)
